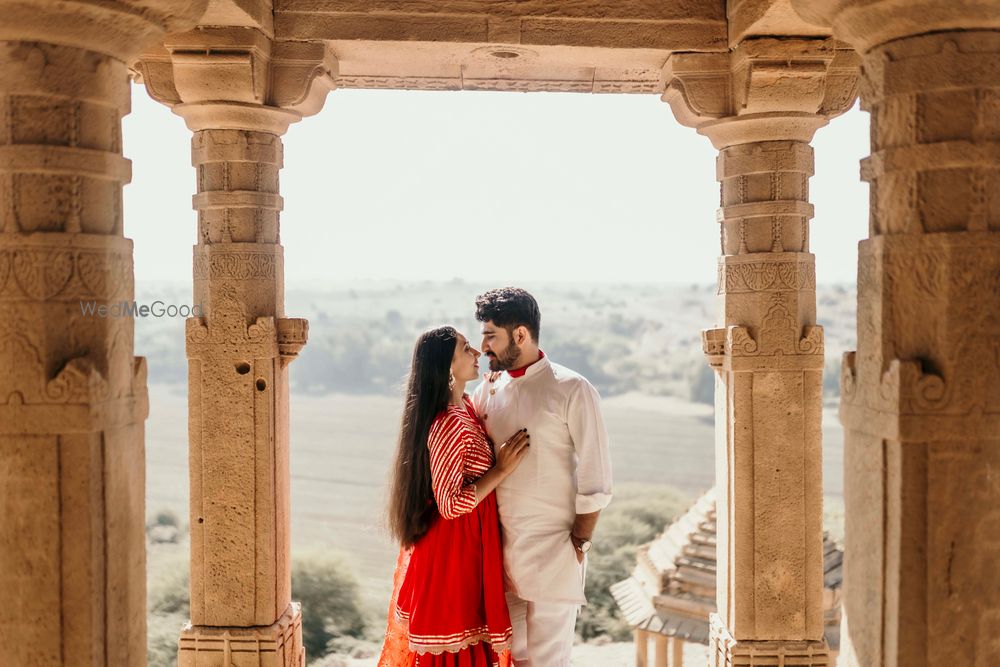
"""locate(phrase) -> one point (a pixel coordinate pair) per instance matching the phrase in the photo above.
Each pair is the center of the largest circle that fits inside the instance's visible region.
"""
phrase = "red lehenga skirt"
(448, 607)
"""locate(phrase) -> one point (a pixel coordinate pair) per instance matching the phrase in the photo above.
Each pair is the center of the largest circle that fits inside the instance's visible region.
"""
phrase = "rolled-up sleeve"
(590, 439)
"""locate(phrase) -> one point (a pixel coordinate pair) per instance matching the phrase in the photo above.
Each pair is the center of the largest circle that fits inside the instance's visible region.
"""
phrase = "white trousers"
(543, 632)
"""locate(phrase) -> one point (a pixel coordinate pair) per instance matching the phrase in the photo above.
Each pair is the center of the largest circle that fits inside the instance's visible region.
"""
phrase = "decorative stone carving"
(766, 88)
(760, 105)
(640, 86)
(72, 395)
(919, 401)
(767, 276)
(238, 78)
(54, 267)
(292, 336)
(238, 88)
(235, 266)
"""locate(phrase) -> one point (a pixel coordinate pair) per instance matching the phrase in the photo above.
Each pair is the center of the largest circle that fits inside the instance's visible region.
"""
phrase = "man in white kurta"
(565, 474)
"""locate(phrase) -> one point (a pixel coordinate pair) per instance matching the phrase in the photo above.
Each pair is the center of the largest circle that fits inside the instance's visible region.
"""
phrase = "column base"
(275, 645)
(725, 651)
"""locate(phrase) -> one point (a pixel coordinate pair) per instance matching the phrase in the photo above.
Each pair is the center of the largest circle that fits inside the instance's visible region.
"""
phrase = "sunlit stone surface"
(757, 78)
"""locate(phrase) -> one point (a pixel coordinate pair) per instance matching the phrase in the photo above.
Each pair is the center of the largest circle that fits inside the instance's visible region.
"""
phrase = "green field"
(342, 447)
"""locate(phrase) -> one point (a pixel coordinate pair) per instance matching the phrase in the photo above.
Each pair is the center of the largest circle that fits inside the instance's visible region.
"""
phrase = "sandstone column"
(921, 395)
(760, 105)
(72, 395)
(238, 90)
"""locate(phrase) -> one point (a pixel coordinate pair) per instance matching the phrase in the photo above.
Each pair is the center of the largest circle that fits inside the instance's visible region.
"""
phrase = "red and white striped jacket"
(461, 453)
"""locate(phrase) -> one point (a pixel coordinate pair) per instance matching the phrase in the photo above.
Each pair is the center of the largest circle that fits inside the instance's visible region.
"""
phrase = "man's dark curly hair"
(510, 307)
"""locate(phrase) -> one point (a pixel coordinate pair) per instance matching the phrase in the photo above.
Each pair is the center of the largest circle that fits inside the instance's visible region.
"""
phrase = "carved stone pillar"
(72, 395)
(238, 91)
(921, 395)
(760, 105)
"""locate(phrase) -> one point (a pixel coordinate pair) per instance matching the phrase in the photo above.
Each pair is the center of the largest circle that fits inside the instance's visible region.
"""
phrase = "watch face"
(585, 547)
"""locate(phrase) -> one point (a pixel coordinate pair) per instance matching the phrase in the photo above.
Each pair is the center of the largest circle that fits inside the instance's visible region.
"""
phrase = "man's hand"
(583, 529)
(578, 547)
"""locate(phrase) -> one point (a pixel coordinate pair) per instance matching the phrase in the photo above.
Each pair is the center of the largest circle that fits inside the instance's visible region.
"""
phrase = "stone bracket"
(779, 88)
(776, 347)
(201, 73)
(292, 335)
(735, 349)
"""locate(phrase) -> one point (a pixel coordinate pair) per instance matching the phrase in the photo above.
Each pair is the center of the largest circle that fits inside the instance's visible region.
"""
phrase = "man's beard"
(506, 361)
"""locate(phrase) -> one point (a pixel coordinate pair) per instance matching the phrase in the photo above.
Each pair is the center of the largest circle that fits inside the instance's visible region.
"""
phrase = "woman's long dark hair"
(411, 499)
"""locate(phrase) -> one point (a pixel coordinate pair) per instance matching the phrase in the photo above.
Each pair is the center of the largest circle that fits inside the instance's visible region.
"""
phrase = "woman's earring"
(451, 379)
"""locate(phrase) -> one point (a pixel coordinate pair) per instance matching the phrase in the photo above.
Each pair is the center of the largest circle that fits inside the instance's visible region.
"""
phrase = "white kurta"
(567, 471)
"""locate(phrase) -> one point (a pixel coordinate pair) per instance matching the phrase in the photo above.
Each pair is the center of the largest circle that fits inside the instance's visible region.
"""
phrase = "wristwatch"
(583, 546)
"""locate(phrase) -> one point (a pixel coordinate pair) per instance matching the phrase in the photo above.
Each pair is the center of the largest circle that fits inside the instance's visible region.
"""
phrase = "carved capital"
(866, 24)
(764, 89)
(238, 78)
(120, 29)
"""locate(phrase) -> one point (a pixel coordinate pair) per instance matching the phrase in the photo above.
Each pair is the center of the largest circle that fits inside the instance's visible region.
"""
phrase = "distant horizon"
(415, 185)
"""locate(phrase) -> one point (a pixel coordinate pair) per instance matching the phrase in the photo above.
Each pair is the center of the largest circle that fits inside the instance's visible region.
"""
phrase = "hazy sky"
(493, 186)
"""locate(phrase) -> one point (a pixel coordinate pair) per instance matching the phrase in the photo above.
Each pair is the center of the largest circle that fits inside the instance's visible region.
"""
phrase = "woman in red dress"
(448, 607)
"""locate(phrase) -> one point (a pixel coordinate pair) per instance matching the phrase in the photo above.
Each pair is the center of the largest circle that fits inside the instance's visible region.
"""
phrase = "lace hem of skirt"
(438, 644)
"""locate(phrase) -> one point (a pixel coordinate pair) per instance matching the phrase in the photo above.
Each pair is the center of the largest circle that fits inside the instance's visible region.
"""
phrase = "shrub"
(323, 583)
(166, 517)
(163, 631)
(638, 513)
(331, 600)
(167, 588)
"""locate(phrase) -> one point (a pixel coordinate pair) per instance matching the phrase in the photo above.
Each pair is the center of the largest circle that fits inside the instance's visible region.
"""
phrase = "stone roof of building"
(672, 589)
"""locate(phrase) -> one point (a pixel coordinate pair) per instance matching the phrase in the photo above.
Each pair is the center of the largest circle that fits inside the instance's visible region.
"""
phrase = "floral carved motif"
(765, 276)
(779, 334)
(44, 274)
(226, 325)
(234, 265)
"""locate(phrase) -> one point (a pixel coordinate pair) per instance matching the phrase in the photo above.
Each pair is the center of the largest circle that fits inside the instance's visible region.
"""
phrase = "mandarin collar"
(533, 368)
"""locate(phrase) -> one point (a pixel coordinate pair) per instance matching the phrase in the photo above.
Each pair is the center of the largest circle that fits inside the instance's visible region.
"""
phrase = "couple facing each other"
(494, 497)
